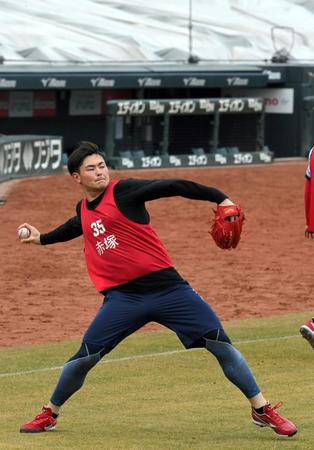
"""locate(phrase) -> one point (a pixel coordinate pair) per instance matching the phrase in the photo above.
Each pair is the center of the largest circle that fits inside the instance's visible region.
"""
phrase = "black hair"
(78, 155)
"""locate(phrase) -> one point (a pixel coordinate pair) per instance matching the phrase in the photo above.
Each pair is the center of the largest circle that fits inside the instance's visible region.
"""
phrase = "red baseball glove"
(226, 227)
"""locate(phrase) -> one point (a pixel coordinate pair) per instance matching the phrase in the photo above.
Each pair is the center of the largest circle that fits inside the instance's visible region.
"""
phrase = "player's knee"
(88, 350)
(218, 335)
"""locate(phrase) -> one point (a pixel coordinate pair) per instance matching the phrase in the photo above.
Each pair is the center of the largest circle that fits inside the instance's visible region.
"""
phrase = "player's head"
(87, 167)
(78, 155)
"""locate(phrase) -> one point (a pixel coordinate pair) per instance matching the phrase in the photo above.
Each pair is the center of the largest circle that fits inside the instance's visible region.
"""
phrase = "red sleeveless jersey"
(118, 250)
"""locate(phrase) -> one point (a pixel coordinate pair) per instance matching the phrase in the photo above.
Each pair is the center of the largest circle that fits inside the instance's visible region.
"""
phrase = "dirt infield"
(46, 294)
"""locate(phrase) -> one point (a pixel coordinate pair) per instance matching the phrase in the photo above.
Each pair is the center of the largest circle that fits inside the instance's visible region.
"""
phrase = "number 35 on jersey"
(98, 228)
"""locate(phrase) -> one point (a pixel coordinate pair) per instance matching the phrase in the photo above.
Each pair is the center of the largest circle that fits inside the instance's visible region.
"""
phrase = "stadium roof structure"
(121, 76)
(137, 31)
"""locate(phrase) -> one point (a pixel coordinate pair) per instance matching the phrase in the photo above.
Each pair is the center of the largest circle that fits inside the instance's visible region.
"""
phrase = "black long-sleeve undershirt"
(130, 197)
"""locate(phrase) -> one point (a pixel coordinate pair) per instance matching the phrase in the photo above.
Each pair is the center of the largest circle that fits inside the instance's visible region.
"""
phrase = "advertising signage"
(185, 106)
(37, 81)
(22, 156)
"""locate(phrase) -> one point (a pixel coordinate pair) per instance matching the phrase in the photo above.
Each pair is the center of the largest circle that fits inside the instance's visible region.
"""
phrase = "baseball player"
(130, 267)
(307, 329)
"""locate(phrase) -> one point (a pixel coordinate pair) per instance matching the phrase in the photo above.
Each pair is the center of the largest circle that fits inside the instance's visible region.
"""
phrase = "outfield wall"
(29, 155)
(187, 160)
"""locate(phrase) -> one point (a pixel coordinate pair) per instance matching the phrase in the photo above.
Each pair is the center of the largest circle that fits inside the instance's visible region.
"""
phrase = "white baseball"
(24, 233)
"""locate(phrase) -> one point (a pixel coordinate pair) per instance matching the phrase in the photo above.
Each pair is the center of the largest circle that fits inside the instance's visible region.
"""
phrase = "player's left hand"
(226, 228)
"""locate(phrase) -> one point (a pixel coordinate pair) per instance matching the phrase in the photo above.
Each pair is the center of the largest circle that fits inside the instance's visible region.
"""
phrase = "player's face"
(93, 175)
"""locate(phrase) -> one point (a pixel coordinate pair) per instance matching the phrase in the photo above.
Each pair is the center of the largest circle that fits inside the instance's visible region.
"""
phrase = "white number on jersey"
(98, 227)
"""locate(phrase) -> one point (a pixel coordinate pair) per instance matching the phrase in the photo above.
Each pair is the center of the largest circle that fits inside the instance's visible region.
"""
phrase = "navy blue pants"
(179, 308)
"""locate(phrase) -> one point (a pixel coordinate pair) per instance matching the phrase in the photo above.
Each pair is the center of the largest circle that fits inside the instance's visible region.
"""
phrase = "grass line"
(147, 355)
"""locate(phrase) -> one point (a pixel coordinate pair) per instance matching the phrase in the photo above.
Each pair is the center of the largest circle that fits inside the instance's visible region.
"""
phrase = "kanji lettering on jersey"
(109, 242)
(100, 247)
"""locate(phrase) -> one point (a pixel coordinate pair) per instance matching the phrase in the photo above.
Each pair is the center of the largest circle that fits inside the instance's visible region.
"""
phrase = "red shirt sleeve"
(309, 193)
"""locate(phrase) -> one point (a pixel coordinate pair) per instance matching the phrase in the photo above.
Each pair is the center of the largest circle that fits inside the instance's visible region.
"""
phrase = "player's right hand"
(34, 237)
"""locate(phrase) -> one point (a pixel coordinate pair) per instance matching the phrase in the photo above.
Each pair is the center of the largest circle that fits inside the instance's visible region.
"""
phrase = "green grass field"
(151, 394)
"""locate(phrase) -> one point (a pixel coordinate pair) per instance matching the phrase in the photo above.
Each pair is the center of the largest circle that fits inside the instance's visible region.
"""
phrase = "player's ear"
(76, 177)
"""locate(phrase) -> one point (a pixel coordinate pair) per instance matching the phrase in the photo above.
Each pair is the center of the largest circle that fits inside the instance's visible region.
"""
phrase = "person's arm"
(131, 195)
(65, 232)
(147, 190)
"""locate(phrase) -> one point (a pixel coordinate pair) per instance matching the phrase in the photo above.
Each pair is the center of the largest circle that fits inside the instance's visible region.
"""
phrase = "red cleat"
(270, 418)
(307, 331)
(42, 422)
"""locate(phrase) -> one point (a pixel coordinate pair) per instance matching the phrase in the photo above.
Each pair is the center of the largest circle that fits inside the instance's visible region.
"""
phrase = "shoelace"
(274, 413)
(41, 415)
